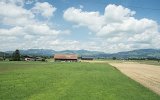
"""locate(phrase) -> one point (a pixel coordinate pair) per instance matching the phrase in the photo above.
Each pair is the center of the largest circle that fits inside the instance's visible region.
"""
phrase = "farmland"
(68, 81)
(145, 74)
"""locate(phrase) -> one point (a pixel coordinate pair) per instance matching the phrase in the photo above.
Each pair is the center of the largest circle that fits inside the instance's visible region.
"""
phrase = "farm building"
(66, 57)
(29, 59)
(39, 59)
(86, 58)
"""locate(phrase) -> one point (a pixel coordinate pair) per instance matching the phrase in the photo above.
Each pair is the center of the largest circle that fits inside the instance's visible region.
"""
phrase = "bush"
(1, 59)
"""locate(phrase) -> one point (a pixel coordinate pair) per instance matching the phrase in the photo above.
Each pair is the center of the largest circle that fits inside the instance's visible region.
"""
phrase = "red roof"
(65, 56)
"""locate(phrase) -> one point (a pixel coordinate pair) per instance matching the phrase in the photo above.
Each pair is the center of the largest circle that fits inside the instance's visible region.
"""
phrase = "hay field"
(147, 75)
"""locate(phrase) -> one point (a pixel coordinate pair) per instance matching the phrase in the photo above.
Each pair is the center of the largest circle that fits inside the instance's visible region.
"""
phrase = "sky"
(99, 25)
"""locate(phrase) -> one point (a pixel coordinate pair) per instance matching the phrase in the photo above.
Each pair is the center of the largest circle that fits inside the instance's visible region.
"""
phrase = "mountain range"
(140, 53)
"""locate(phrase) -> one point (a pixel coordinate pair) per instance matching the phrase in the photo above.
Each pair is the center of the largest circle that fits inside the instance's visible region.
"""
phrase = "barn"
(66, 57)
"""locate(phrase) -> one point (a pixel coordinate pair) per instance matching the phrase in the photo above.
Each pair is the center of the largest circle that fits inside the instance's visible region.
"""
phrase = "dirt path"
(147, 75)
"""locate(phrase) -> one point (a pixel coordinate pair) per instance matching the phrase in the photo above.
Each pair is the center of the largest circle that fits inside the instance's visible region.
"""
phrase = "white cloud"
(21, 29)
(17, 16)
(115, 13)
(92, 20)
(116, 19)
(117, 26)
(11, 10)
(14, 15)
(115, 30)
(61, 44)
(15, 31)
(45, 9)
(40, 29)
(15, 2)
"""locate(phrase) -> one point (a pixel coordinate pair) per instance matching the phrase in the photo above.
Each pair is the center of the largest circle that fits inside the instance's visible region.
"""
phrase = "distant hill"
(48, 52)
(4, 54)
(82, 52)
(141, 53)
(42, 52)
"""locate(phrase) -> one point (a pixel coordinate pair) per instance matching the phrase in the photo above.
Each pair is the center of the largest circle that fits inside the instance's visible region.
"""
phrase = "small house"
(29, 58)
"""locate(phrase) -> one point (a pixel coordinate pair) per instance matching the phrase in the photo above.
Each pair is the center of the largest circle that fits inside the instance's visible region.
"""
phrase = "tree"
(114, 58)
(16, 55)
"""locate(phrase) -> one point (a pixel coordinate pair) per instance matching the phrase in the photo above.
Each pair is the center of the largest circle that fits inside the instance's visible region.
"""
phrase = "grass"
(68, 81)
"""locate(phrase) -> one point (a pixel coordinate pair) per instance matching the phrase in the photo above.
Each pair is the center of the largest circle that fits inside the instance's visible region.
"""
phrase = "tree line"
(16, 56)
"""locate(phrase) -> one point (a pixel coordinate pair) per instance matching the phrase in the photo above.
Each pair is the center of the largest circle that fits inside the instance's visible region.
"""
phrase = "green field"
(68, 81)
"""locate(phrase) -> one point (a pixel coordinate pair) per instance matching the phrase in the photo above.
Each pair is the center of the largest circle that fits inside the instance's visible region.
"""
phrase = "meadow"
(68, 81)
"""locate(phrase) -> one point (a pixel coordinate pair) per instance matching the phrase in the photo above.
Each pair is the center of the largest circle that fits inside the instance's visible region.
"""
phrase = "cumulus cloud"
(117, 25)
(21, 29)
(42, 29)
(15, 31)
(12, 10)
(115, 13)
(92, 20)
(14, 15)
(45, 9)
(115, 30)
(15, 2)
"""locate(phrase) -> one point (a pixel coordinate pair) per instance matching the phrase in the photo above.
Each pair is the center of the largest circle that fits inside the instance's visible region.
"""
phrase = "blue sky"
(100, 25)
